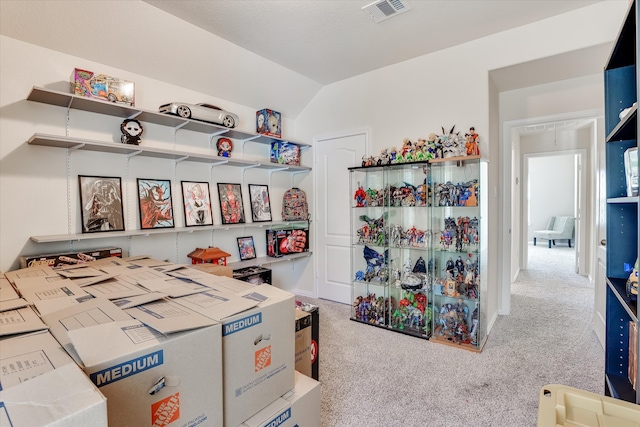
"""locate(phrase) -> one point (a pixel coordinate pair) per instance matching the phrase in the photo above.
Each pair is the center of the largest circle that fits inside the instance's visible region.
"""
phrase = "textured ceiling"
(329, 41)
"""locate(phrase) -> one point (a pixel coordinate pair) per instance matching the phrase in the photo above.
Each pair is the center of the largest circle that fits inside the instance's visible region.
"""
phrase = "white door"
(333, 158)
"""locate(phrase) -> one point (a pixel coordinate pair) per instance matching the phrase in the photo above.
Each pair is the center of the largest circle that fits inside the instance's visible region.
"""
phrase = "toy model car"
(204, 112)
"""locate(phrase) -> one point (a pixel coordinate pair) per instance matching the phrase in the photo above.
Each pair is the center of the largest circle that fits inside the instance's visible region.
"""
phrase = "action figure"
(224, 147)
(131, 132)
(360, 197)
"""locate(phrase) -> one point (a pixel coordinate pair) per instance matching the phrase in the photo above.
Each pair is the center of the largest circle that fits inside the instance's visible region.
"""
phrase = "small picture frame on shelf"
(231, 207)
(260, 203)
(155, 204)
(246, 248)
(197, 204)
(101, 203)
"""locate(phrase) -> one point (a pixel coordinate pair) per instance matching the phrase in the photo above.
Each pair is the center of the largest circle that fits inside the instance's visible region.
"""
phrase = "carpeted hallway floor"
(374, 377)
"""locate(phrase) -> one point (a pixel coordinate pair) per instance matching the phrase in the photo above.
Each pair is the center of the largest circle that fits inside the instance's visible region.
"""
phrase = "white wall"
(551, 190)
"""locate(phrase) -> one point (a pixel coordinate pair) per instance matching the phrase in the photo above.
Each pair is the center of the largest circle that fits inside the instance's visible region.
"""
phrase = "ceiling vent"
(385, 9)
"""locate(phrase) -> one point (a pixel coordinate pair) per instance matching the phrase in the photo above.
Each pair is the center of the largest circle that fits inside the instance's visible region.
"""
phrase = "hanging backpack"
(294, 205)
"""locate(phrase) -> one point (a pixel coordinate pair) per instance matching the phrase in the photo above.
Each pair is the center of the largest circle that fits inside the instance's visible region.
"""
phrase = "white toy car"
(204, 112)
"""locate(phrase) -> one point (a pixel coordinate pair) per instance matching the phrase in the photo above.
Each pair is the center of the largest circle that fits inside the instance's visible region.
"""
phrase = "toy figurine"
(360, 197)
(420, 266)
(224, 147)
(131, 131)
(472, 144)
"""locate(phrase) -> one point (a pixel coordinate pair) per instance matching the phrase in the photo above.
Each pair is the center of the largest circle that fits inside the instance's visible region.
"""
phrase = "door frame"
(510, 239)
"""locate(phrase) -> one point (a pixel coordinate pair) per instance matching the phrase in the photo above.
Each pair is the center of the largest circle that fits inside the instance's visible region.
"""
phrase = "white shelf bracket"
(133, 154)
(180, 159)
(244, 169)
(218, 163)
(134, 115)
(77, 146)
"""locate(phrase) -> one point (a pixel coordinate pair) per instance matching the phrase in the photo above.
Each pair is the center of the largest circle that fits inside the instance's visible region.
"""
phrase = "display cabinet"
(390, 225)
(458, 252)
(622, 345)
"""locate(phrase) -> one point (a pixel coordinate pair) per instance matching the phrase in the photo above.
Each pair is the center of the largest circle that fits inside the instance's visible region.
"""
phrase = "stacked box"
(285, 153)
(254, 275)
(314, 310)
(41, 385)
(298, 407)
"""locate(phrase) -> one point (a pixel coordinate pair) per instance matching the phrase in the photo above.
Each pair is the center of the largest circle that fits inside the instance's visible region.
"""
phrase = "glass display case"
(391, 238)
(458, 252)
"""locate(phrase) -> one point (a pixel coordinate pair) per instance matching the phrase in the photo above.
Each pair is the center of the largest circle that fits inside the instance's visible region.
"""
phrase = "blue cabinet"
(622, 347)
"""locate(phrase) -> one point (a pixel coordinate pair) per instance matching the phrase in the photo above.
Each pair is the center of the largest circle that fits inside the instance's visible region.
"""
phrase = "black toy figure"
(131, 132)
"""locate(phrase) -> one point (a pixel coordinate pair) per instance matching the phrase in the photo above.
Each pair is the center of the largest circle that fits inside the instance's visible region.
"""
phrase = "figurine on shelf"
(472, 142)
(224, 147)
(131, 131)
(360, 197)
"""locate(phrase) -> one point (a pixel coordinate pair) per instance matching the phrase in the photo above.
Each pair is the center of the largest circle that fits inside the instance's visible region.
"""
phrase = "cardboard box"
(299, 407)
(20, 321)
(68, 258)
(269, 122)
(303, 342)
(151, 378)
(101, 86)
(257, 344)
(278, 243)
(315, 336)
(285, 153)
(41, 385)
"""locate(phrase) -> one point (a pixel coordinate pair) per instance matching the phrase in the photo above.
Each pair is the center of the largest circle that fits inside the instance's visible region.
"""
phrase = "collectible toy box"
(269, 122)
(101, 86)
(287, 241)
(285, 153)
(69, 258)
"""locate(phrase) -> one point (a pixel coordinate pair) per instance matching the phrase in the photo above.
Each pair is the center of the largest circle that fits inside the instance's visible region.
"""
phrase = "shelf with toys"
(622, 343)
(419, 244)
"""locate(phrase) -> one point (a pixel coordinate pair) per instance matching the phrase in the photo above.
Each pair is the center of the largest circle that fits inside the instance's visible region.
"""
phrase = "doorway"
(548, 195)
(334, 155)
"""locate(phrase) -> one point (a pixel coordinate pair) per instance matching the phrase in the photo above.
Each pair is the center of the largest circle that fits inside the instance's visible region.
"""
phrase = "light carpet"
(375, 377)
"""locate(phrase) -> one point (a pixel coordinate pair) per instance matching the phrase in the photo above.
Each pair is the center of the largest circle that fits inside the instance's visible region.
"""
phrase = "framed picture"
(197, 203)
(101, 203)
(260, 204)
(246, 248)
(231, 207)
(156, 207)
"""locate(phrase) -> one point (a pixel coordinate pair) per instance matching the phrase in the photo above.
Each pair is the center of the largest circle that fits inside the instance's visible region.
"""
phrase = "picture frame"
(155, 204)
(101, 203)
(246, 248)
(231, 207)
(196, 201)
(260, 203)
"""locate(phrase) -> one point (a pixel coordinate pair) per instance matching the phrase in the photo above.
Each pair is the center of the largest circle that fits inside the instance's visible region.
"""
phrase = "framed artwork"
(260, 204)
(101, 203)
(154, 201)
(231, 207)
(197, 203)
(246, 248)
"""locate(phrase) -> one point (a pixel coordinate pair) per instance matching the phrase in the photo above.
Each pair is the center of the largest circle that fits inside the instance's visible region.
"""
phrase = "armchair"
(559, 228)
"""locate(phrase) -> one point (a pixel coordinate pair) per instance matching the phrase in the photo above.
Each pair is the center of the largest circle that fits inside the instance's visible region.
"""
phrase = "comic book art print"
(197, 203)
(260, 203)
(246, 248)
(101, 203)
(231, 207)
(156, 207)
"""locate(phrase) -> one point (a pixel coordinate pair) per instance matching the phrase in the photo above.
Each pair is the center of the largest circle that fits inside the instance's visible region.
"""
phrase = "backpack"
(294, 205)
